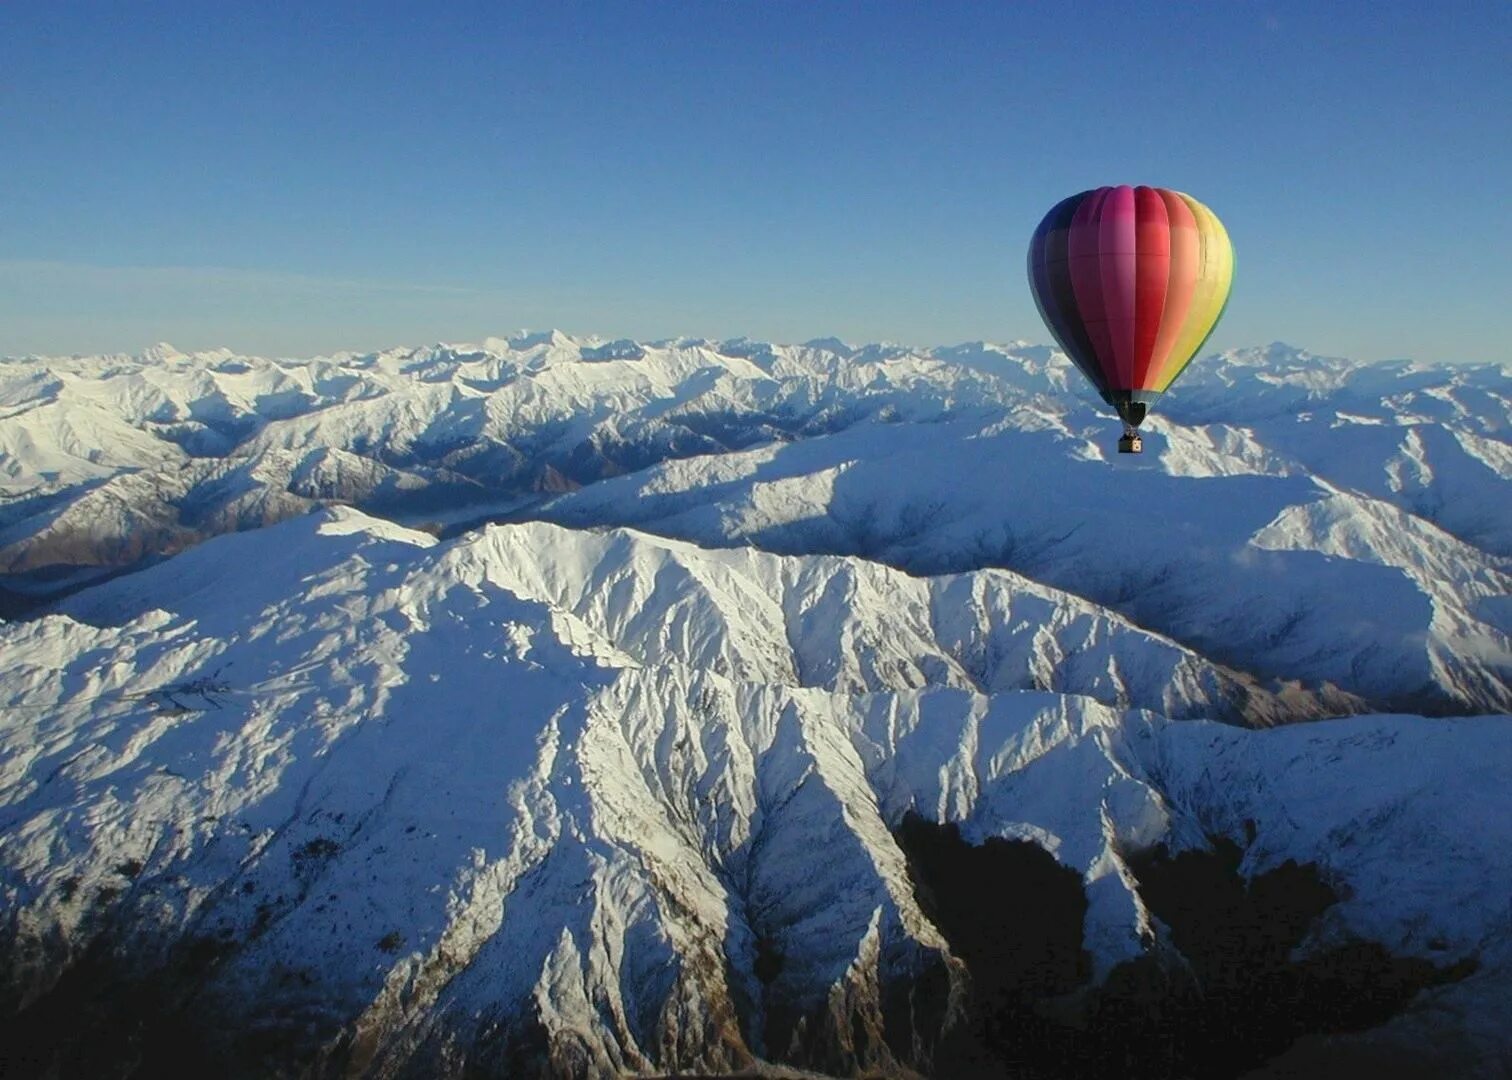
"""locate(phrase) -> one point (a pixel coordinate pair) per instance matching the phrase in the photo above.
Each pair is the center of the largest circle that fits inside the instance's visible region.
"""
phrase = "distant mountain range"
(1274, 481)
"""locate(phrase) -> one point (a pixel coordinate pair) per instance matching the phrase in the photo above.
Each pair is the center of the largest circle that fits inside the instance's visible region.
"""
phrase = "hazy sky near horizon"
(294, 178)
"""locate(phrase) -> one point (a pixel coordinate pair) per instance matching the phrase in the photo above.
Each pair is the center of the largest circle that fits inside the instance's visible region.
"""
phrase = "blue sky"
(301, 177)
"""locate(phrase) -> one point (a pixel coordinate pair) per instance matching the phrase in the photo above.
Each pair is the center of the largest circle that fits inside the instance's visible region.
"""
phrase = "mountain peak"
(162, 352)
(830, 344)
(530, 339)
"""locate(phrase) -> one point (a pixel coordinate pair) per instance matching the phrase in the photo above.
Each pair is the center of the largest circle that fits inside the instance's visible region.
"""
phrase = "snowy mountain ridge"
(804, 710)
(1395, 474)
(376, 734)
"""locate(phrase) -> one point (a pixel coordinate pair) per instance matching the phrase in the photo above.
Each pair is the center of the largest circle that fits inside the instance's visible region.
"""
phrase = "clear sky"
(291, 178)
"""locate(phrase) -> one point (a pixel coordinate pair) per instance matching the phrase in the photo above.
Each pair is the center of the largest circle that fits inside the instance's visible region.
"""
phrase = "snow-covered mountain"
(552, 800)
(1297, 518)
(808, 709)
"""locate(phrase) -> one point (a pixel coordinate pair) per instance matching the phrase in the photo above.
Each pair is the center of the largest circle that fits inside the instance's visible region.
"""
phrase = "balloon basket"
(1131, 443)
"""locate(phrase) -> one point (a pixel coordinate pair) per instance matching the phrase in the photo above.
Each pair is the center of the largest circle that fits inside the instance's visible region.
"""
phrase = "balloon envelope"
(1131, 281)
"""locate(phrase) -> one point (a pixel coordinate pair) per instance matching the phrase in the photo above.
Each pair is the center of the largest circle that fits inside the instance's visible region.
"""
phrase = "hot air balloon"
(1131, 281)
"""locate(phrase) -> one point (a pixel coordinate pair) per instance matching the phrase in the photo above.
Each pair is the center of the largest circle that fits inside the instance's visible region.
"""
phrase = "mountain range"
(562, 706)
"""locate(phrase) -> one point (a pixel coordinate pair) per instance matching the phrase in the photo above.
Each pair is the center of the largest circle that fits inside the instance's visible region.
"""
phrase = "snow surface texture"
(1296, 518)
(537, 784)
(557, 790)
